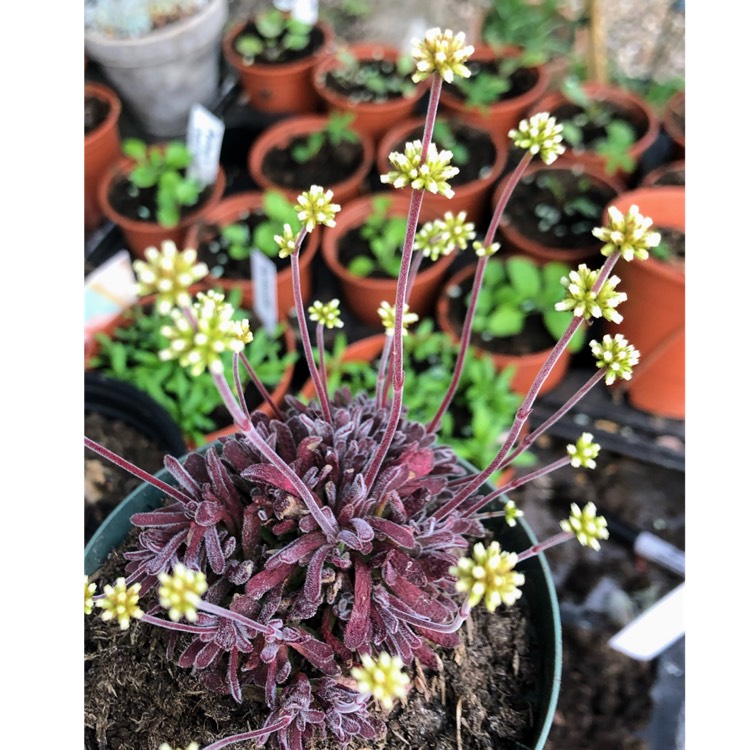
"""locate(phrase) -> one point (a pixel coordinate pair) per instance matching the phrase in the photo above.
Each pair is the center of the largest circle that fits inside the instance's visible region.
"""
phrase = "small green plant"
(489, 86)
(163, 170)
(337, 130)
(445, 138)
(516, 288)
(375, 79)
(619, 134)
(277, 211)
(384, 235)
(132, 354)
(566, 212)
(277, 33)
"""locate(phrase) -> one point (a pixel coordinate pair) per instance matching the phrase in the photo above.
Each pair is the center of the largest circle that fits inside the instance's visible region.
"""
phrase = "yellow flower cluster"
(382, 678)
(441, 52)
(180, 593)
(586, 525)
(120, 602)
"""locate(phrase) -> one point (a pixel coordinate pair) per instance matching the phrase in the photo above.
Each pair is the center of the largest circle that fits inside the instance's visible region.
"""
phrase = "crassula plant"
(314, 556)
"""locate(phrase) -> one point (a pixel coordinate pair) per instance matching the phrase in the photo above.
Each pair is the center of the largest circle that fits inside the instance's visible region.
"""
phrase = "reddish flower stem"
(553, 541)
(253, 735)
(261, 388)
(319, 331)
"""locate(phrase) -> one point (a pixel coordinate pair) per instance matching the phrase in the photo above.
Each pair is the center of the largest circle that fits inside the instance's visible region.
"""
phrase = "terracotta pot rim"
(661, 170)
(537, 249)
(273, 69)
(362, 51)
(668, 119)
(394, 134)
(105, 94)
(344, 222)
(282, 132)
(131, 225)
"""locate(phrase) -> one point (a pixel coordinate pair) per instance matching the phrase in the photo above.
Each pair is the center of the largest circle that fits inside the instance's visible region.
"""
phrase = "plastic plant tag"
(655, 629)
(108, 290)
(205, 133)
(305, 11)
(284, 5)
(263, 273)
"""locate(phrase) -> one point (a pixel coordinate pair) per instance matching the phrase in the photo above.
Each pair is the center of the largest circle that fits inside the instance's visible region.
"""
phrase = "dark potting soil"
(563, 222)
(341, 82)
(533, 338)
(593, 133)
(136, 698)
(286, 55)
(352, 245)
(332, 164)
(675, 176)
(213, 249)
(674, 239)
(95, 112)
(521, 80)
(481, 151)
(142, 205)
(105, 484)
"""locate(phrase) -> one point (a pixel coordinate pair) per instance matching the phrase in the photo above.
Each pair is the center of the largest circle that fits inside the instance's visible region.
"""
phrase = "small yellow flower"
(583, 453)
(121, 602)
(315, 207)
(481, 249)
(617, 355)
(432, 174)
(167, 746)
(630, 235)
(382, 678)
(326, 313)
(582, 300)
(540, 134)
(287, 241)
(168, 274)
(489, 573)
(512, 512)
(388, 315)
(89, 589)
(180, 593)
(200, 346)
(586, 525)
(441, 52)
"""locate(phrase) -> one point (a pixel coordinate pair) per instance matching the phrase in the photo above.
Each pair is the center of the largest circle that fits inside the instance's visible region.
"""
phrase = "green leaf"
(524, 276)
(177, 155)
(134, 148)
(361, 266)
(249, 46)
(144, 176)
(168, 216)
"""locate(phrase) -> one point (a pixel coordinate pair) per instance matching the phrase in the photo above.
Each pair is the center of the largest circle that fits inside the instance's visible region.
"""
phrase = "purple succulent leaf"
(250, 532)
(268, 474)
(271, 604)
(307, 524)
(303, 608)
(397, 533)
(182, 475)
(418, 460)
(426, 655)
(380, 598)
(206, 656)
(286, 446)
(162, 558)
(313, 579)
(208, 513)
(359, 628)
(319, 654)
(307, 454)
(270, 681)
(352, 541)
(326, 628)
(265, 580)
(417, 600)
(232, 679)
(448, 640)
(194, 540)
(160, 518)
(284, 527)
(389, 478)
(222, 485)
(214, 552)
(296, 550)
(363, 529)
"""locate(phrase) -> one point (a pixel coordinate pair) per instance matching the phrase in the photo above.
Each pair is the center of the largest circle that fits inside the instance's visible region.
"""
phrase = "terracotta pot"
(503, 115)
(654, 313)
(278, 393)
(142, 234)
(282, 88)
(636, 106)
(229, 210)
(471, 197)
(161, 75)
(673, 120)
(515, 241)
(671, 173)
(364, 295)
(101, 149)
(281, 134)
(527, 366)
(374, 118)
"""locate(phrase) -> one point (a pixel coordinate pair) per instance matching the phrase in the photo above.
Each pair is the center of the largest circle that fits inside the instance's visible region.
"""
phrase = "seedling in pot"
(336, 131)
(276, 34)
(164, 170)
(581, 214)
(384, 235)
(375, 79)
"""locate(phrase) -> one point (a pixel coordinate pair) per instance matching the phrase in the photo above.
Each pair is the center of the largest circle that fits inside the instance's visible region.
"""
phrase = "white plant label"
(284, 5)
(263, 272)
(205, 133)
(305, 11)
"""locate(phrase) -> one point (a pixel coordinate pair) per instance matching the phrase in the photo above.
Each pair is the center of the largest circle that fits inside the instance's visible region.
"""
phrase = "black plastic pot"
(539, 589)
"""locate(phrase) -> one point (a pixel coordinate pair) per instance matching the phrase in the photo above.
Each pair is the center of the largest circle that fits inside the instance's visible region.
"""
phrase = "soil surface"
(520, 80)
(286, 55)
(349, 82)
(95, 112)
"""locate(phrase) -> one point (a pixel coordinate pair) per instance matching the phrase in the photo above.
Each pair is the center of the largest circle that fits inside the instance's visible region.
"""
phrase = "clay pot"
(142, 234)
(230, 209)
(673, 121)
(498, 117)
(364, 295)
(639, 111)
(374, 118)
(671, 173)
(471, 197)
(283, 87)
(281, 134)
(515, 241)
(654, 312)
(161, 75)
(450, 315)
(101, 149)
